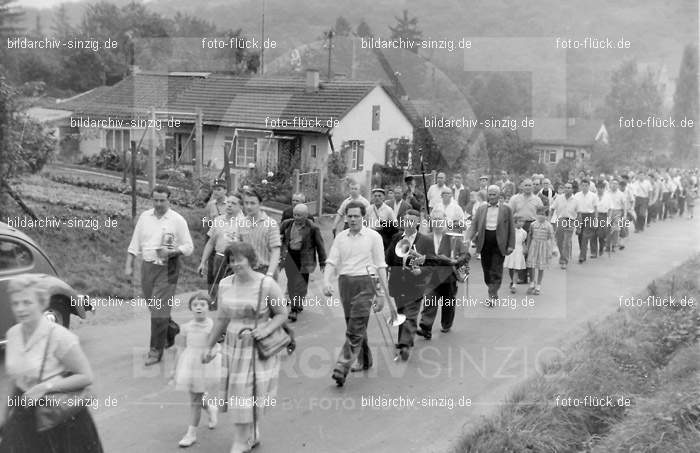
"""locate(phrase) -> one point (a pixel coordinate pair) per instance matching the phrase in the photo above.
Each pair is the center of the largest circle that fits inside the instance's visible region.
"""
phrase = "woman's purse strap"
(260, 295)
(46, 351)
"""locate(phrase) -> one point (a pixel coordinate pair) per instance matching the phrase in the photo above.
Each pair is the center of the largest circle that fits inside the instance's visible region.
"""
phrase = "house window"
(246, 151)
(313, 153)
(375, 117)
(569, 153)
(541, 156)
(354, 154)
(552, 157)
(117, 139)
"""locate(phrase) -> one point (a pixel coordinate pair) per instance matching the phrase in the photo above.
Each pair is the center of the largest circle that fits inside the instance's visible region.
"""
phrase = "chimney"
(312, 80)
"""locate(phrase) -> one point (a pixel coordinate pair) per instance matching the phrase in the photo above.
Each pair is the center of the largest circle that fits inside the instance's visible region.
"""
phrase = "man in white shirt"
(617, 213)
(602, 224)
(160, 237)
(435, 191)
(380, 217)
(354, 188)
(456, 221)
(586, 204)
(351, 252)
(564, 209)
(641, 188)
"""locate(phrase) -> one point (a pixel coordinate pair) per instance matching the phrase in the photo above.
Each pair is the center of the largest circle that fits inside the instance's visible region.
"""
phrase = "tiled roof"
(249, 101)
(559, 131)
(133, 96)
(244, 102)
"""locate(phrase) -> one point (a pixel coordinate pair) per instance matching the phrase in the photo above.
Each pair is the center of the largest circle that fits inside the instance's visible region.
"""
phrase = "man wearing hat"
(483, 183)
(216, 206)
(380, 217)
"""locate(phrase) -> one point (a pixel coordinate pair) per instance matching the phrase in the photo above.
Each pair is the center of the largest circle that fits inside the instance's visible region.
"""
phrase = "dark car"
(21, 255)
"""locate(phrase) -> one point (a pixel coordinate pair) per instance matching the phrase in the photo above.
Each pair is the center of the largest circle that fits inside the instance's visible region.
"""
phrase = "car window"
(14, 255)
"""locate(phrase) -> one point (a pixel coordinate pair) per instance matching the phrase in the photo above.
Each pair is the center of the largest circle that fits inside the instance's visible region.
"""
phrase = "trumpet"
(396, 318)
(404, 249)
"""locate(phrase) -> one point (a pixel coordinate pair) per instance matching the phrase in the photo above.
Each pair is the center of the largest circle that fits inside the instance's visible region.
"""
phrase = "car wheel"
(58, 314)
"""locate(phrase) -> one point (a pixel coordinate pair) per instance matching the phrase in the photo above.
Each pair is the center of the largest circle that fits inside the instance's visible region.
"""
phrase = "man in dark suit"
(406, 282)
(411, 195)
(398, 204)
(446, 253)
(493, 233)
(301, 242)
(459, 192)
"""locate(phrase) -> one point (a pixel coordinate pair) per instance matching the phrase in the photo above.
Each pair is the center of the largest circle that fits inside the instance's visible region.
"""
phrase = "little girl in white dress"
(516, 260)
(190, 373)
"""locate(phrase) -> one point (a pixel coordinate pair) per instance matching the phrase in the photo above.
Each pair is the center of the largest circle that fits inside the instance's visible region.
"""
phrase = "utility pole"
(262, 41)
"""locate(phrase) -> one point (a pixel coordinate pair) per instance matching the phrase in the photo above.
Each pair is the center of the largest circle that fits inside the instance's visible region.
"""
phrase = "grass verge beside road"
(646, 360)
(89, 255)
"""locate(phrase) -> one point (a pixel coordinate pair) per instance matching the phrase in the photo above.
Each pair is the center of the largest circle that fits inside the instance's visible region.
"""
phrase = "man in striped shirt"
(262, 232)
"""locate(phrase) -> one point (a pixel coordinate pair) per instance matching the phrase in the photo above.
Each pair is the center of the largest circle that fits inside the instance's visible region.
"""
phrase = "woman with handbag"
(47, 369)
(252, 312)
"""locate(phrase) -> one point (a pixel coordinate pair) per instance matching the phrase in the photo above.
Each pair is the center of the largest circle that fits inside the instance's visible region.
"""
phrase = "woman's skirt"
(77, 435)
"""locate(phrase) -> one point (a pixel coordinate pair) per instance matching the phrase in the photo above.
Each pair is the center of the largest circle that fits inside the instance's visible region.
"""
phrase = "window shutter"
(361, 155)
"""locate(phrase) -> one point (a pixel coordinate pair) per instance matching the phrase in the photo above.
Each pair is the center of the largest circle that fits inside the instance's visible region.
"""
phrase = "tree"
(685, 106)
(9, 16)
(633, 96)
(407, 29)
(363, 30)
(342, 27)
(187, 26)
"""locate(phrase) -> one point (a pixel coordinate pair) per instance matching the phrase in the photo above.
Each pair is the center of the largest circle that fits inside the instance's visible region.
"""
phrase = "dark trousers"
(600, 234)
(641, 205)
(297, 282)
(407, 331)
(220, 270)
(681, 204)
(445, 292)
(158, 283)
(666, 203)
(356, 293)
(523, 274)
(492, 263)
(586, 236)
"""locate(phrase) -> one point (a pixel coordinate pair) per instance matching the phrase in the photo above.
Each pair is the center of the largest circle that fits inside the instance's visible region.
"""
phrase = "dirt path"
(488, 351)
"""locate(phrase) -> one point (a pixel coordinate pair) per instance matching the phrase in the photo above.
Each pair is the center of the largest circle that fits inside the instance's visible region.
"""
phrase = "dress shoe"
(445, 329)
(338, 377)
(404, 353)
(424, 334)
(292, 316)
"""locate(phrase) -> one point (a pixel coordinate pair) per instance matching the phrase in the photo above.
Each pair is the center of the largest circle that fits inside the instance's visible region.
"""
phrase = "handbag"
(59, 407)
(173, 330)
(277, 340)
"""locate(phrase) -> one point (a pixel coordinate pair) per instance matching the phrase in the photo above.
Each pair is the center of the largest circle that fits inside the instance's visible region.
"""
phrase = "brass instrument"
(396, 318)
(404, 249)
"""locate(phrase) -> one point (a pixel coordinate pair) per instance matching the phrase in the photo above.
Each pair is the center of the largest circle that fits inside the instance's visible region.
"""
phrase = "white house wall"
(357, 125)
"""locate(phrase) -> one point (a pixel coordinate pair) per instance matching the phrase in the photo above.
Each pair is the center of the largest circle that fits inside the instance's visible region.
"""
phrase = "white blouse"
(23, 360)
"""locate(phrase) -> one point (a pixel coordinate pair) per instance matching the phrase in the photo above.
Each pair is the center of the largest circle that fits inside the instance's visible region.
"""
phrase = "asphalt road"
(452, 380)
